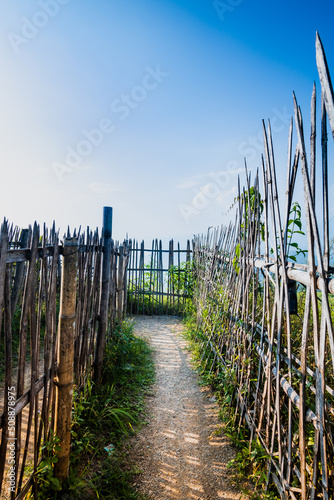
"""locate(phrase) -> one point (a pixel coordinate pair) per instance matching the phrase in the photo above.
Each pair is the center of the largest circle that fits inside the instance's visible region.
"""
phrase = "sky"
(148, 106)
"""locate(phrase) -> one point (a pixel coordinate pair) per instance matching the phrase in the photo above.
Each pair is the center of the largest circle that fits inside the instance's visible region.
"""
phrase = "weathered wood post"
(64, 377)
(104, 302)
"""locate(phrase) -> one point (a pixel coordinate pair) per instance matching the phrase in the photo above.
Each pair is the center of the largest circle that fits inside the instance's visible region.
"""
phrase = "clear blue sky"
(147, 106)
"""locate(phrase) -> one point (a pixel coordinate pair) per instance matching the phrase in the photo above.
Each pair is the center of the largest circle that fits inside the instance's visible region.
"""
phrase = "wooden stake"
(64, 379)
(106, 265)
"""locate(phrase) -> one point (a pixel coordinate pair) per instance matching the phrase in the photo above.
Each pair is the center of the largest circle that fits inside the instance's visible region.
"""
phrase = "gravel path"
(178, 453)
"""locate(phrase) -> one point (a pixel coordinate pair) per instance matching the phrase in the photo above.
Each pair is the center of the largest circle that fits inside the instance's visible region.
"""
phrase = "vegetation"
(103, 417)
(294, 227)
(147, 298)
(249, 467)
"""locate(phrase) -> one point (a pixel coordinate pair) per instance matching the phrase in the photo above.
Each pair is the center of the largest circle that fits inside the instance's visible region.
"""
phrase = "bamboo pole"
(64, 379)
(172, 273)
(155, 280)
(26, 308)
(113, 281)
(104, 298)
(49, 348)
(130, 277)
(325, 80)
(142, 275)
(324, 140)
(137, 281)
(161, 278)
(127, 247)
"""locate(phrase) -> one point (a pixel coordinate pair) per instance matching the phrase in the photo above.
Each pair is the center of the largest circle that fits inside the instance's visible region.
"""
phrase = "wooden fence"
(159, 281)
(86, 278)
(272, 341)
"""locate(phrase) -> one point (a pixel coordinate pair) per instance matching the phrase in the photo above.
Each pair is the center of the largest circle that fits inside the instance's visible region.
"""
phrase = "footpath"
(178, 452)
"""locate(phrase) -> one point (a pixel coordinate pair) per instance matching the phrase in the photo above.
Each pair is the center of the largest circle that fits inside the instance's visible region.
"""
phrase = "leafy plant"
(182, 278)
(294, 227)
(249, 462)
(48, 484)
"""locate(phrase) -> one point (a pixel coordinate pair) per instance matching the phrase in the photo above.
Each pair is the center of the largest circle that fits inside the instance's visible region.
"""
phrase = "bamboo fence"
(159, 281)
(47, 350)
(272, 340)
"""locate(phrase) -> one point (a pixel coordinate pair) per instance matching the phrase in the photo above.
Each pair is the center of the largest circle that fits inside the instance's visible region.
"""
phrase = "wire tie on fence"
(57, 384)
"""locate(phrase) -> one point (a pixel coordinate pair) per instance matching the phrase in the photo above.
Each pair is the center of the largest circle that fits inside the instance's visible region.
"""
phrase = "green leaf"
(56, 483)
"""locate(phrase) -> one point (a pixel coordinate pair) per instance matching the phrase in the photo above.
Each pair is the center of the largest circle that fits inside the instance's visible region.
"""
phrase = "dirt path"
(178, 453)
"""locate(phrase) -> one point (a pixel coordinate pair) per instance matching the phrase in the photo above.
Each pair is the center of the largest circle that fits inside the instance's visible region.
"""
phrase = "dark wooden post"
(19, 271)
(104, 302)
(127, 257)
(64, 379)
(120, 284)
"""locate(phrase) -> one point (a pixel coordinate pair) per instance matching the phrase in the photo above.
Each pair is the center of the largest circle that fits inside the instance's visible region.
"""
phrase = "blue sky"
(147, 106)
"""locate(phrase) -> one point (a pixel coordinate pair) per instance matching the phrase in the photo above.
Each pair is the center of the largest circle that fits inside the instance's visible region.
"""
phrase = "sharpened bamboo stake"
(325, 80)
(27, 301)
(324, 140)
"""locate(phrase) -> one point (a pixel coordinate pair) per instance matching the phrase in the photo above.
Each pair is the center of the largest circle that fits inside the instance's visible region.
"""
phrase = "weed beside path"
(180, 454)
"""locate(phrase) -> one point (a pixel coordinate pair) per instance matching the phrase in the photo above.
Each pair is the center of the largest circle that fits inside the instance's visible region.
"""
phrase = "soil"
(178, 453)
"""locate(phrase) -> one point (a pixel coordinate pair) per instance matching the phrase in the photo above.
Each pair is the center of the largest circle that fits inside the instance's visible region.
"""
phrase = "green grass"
(151, 305)
(107, 415)
(249, 464)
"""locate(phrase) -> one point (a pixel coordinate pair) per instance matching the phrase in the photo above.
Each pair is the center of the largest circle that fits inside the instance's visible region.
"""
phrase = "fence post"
(104, 302)
(120, 284)
(64, 378)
